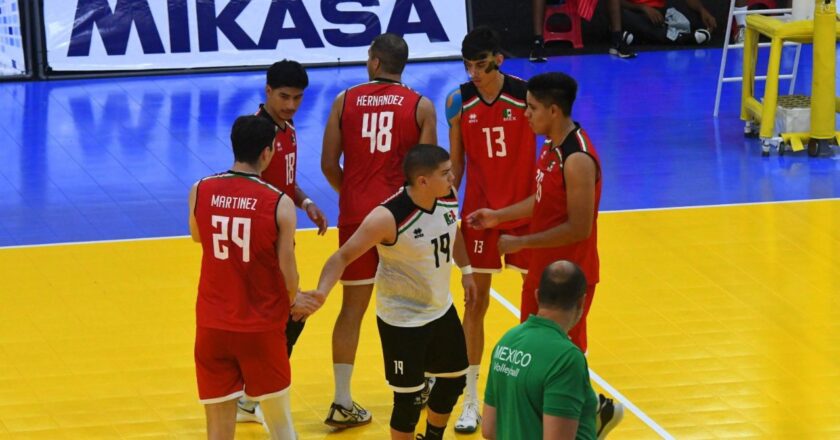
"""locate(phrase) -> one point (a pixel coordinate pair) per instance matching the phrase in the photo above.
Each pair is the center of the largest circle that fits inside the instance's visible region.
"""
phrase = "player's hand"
(470, 289)
(307, 303)
(482, 219)
(653, 15)
(317, 216)
(509, 244)
(708, 20)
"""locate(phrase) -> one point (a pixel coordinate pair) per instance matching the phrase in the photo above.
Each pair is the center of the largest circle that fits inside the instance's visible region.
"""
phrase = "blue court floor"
(100, 159)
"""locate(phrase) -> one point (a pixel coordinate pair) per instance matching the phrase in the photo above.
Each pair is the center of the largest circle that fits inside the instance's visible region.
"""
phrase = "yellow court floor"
(717, 322)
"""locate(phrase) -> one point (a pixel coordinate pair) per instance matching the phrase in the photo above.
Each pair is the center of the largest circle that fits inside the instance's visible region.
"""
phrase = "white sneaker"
(248, 411)
(739, 37)
(470, 418)
(341, 417)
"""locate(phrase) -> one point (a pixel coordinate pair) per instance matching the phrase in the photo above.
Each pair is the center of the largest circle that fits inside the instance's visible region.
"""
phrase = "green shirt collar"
(535, 320)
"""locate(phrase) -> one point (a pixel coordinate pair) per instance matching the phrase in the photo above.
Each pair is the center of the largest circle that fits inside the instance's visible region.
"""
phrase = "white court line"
(598, 379)
(617, 211)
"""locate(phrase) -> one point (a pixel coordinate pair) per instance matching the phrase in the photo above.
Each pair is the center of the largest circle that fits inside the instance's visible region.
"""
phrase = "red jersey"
(378, 127)
(281, 170)
(550, 208)
(241, 287)
(500, 148)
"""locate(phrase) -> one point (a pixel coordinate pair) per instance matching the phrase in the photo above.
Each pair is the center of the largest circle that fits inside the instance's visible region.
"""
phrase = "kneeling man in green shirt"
(538, 385)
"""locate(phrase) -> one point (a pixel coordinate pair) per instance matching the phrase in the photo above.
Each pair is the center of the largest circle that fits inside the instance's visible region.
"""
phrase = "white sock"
(342, 374)
(741, 19)
(278, 417)
(471, 393)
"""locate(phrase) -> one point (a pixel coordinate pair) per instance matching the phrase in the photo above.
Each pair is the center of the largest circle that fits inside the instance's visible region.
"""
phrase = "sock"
(342, 374)
(278, 417)
(434, 432)
(538, 40)
(471, 393)
(741, 19)
(615, 38)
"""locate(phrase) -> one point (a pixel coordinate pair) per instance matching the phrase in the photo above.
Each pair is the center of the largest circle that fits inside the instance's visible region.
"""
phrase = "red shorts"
(226, 363)
(528, 307)
(483, 250)
(362, 271)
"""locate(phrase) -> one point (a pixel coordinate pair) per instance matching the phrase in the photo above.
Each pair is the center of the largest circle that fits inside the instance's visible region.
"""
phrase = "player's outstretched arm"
(580, 175)
(489, 218)
(456, 143)
(427, 121)
(286, 223)
(331, 147)
(193, 224)
(378, 227)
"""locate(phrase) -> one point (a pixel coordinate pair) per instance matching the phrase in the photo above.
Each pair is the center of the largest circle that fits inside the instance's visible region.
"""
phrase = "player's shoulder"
(515, 86)
(400, 205)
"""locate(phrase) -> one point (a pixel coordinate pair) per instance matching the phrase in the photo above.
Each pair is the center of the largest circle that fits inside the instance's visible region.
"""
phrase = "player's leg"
(404, 353)
(578, 332)
(357, 282)
(265, 367)
(482, 249)
(221, 420)
(220, 382)
(446, 360)
(278, 417)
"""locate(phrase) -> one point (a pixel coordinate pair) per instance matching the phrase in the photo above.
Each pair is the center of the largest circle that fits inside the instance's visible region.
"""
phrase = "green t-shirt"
(536, 370)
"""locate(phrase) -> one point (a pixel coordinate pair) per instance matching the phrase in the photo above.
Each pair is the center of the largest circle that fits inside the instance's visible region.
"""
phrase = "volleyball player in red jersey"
(285, 83)
(248, 280)
(490, 137)
(564, 207)
(373, 125)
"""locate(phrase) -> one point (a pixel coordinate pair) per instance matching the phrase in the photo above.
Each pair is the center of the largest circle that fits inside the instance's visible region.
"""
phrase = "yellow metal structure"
(779, 31)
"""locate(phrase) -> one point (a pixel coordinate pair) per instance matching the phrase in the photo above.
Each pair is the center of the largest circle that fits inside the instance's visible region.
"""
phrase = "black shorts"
(412, 353)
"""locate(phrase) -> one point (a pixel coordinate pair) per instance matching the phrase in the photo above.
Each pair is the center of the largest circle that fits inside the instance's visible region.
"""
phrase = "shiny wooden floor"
(716, 322)
(717, 315)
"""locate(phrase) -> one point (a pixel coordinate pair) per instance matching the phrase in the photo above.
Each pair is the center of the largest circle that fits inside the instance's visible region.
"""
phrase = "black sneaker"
(621, 46)
(537, 52)
(341, 417)
(608, 416)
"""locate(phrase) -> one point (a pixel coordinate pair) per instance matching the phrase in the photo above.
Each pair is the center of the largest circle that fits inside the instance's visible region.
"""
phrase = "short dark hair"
(562, 285)
(554, 88)
(287, 73)
(480, 41)
(422, 159)
(392, 51)
(249, 136)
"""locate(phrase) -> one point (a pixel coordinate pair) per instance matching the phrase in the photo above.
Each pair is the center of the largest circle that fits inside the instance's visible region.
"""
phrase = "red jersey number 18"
(239, 233)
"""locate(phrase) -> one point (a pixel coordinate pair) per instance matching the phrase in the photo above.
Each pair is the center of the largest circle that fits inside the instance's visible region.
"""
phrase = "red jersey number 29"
(237, 231)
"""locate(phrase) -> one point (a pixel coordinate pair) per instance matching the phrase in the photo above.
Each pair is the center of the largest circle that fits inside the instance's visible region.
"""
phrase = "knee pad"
(445, 393)
(406, 411)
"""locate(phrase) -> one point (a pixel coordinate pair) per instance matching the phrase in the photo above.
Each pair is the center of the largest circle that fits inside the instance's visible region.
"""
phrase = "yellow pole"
(822, 85)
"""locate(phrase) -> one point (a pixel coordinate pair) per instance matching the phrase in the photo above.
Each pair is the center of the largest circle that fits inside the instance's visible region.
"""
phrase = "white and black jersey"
(412, 279)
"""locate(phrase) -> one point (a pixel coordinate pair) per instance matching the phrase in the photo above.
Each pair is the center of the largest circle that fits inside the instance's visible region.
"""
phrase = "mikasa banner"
(85, 35)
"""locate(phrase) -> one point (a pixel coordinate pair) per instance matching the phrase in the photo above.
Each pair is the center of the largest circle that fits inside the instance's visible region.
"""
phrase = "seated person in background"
(668, 21)
(619, 39)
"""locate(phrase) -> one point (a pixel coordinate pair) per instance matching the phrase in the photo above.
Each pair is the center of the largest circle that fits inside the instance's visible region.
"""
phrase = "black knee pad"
(445, 393)
(406, 411)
